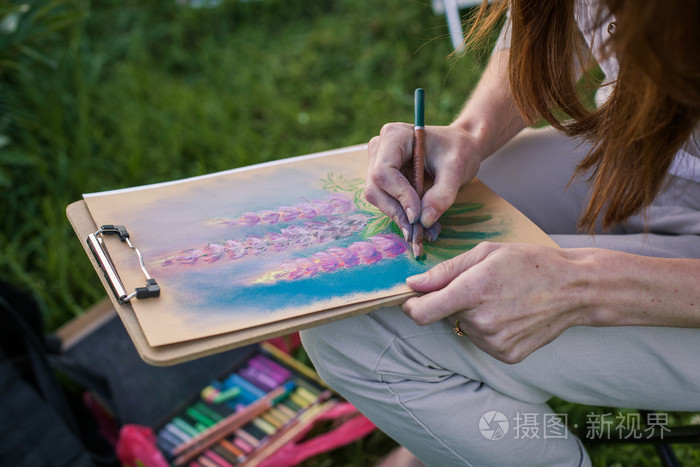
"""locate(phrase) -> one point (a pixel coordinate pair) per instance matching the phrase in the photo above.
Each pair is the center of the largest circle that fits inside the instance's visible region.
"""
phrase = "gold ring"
(456, 329)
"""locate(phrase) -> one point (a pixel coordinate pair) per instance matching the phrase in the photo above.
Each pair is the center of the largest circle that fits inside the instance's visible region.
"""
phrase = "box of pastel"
(250, 415)
(251, 406)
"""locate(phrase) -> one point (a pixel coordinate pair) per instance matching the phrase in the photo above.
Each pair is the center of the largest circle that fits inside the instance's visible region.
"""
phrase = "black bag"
(41, 422)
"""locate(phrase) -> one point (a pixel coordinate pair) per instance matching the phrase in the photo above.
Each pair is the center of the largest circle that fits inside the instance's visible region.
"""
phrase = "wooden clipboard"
(172, 352)
(83, 225)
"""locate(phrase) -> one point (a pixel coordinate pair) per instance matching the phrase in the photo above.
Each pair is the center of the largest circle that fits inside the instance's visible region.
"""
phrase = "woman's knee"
(344, 350)
(318, 343)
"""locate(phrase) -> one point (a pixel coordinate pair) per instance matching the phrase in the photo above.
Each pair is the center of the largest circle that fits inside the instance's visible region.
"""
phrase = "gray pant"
(444, 399)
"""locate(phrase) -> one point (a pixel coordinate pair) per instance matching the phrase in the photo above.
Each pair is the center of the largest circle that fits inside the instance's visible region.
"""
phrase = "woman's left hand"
(510, 299)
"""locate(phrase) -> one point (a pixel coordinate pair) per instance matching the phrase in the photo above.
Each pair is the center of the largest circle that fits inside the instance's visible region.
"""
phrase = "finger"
(483, 344)
(510, 353)
(375, 195)
(447, 271)
(372, 147)
(439, 197)
(393, 152)
(391, 207)
(393, 146)
(431, 234)
(394, 183)
(390, 154)
(428, 308)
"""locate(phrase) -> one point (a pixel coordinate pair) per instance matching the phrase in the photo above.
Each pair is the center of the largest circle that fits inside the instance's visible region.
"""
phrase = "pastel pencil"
(418, 165)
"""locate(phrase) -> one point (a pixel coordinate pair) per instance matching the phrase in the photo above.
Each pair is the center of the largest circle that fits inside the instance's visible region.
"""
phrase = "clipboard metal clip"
(95, 242)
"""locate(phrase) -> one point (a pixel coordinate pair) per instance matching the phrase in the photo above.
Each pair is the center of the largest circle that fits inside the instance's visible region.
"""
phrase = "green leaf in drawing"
(443, 252)
(444, 246)
(395, 229)
(463, 208)
(339, 182)
(364, 205)
(452, 234)
(469, 220)
(377, 226)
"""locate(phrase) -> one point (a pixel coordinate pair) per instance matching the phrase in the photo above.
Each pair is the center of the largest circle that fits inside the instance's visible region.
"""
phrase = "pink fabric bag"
(353, 427)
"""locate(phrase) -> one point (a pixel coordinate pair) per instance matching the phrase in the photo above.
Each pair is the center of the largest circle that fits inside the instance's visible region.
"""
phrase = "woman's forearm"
(632, 290)
(490, 114)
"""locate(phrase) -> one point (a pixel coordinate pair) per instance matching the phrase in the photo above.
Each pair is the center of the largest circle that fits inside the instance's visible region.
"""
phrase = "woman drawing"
(607, 319)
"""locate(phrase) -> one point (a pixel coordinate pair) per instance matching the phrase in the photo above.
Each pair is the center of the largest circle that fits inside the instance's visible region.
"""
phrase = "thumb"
(445, 272)
(448, 178)
(436, 200)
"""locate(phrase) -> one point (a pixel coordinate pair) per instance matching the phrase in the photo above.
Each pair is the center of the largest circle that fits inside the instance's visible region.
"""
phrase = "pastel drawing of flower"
(365, 252)
(356, 254)
(294, 236)
(340, 204)
(343, 215)
(326, 261)
(248, 219)
(269, 217)
(188, 256)
(306, 210)
(287, 213)
(276, 241)
(346, 258)
(234, 249)
(388, 246)
(214, 252)
(303, 267)
(334, 204)
(324, 208)
(255, 245)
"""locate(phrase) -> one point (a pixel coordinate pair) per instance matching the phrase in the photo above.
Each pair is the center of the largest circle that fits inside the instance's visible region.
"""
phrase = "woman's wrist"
(477, 134)
(488, 129)
(604, 288)
(588, 287)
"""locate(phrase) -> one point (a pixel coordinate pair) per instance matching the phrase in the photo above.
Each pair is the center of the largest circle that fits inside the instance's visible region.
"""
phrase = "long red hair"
(654, 106)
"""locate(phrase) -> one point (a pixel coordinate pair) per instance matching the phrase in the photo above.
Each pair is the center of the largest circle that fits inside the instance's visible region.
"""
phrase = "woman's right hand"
(452, 160)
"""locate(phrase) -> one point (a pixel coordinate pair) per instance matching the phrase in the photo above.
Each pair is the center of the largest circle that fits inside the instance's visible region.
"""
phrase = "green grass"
(117, 93)
(147, 91)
